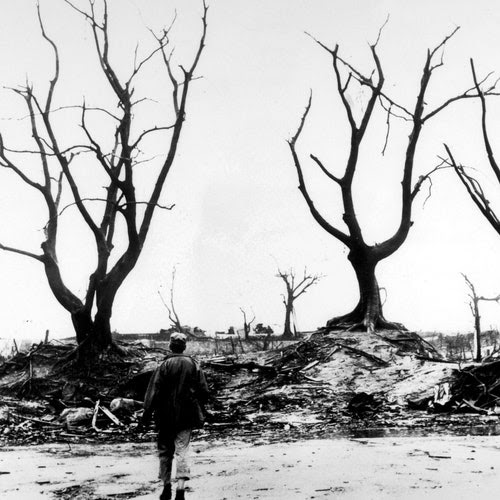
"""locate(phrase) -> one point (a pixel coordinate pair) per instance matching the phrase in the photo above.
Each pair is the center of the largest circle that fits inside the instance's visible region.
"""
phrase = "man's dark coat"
(176, 394)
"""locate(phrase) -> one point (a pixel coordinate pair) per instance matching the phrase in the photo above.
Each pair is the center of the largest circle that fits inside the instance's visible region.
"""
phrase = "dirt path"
(398, 468)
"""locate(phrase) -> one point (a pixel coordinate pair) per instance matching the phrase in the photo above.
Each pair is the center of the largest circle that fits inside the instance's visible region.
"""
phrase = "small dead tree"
(364, 257)
(170, 306)
(474, 306)
(112, 152)
(247, 325)
(294, 289)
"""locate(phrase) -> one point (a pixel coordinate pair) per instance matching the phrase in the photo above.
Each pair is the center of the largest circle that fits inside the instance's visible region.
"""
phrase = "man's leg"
(166, 447)
(182, 461)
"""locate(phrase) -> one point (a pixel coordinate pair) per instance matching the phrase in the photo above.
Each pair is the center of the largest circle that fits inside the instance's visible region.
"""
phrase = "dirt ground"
(441, 467)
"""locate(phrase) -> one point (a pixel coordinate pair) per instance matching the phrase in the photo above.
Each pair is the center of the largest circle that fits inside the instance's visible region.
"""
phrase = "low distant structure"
(259, 331)
(162, 336)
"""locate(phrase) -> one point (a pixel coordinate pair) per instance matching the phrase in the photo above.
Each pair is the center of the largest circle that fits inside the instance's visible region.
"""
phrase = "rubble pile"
(29, 422)
(338, 383)
(331, 383)
(44, 396)
(476, 388)
(48, 370)
(348, 362)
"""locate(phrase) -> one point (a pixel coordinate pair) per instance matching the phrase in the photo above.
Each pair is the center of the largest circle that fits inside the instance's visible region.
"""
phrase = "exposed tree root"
(357, 321)
(83, 360)
(55, 371)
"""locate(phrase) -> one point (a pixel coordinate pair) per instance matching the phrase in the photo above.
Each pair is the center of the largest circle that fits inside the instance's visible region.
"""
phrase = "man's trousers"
(170, 445)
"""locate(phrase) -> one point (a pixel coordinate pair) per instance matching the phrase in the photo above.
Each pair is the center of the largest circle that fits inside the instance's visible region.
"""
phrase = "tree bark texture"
(367, 315)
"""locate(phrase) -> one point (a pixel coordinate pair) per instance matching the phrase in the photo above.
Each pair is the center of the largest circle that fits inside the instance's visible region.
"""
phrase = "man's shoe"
(179, 495)
(166, 494)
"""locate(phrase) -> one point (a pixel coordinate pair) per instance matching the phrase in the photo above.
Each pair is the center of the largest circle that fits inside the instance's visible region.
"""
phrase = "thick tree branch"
(489, 150)
(344, 238)
(389, 246)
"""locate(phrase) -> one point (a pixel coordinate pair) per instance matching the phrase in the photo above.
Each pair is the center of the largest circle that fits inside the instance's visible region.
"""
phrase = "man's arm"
(151, 395)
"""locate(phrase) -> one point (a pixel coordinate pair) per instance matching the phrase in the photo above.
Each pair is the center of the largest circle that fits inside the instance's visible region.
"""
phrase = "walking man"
(176, 394)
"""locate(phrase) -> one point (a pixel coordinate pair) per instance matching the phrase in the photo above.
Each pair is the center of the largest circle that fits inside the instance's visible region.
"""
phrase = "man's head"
(177, 342)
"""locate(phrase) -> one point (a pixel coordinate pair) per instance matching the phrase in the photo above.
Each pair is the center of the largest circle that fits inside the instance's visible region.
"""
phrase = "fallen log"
(435, 360)
(309, 366)
(250, 365)
(371, 357)
(472, 406)
(36, 420)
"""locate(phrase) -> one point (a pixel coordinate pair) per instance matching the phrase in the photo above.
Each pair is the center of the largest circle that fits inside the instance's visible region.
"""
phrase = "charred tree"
(175, 322)
(115, 156)
(474, 307)
(247, 325)
(364, 257)
(294, 289)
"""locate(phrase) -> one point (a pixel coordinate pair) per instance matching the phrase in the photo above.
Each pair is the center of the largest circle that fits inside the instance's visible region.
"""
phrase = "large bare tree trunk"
(102, 327)
(367, 315)
(93, 334)
(83, 325)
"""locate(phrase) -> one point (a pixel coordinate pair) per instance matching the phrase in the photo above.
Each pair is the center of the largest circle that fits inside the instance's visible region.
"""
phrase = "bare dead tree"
(91, 314)
(471, 184)
(170, 306)
(474, 307)
(364, 257)
(478, 195)
(294, 289)
(247, 325)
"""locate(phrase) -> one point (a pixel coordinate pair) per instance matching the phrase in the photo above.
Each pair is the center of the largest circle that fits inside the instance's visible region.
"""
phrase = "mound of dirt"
(309, 387)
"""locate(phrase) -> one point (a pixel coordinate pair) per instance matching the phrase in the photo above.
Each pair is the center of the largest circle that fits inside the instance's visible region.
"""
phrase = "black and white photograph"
(249, 249)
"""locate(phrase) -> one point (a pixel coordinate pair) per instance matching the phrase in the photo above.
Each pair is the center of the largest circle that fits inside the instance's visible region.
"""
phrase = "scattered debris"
(73, 417)
(41, 393)
(330, 383)
(125, 405)
(363, 402)
(4, 414)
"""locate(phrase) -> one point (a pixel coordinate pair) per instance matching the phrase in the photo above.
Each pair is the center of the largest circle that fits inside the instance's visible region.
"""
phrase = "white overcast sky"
(238, 214)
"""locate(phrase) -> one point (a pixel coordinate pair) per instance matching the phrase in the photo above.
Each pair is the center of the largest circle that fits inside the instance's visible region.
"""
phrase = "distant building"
(161, 336)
